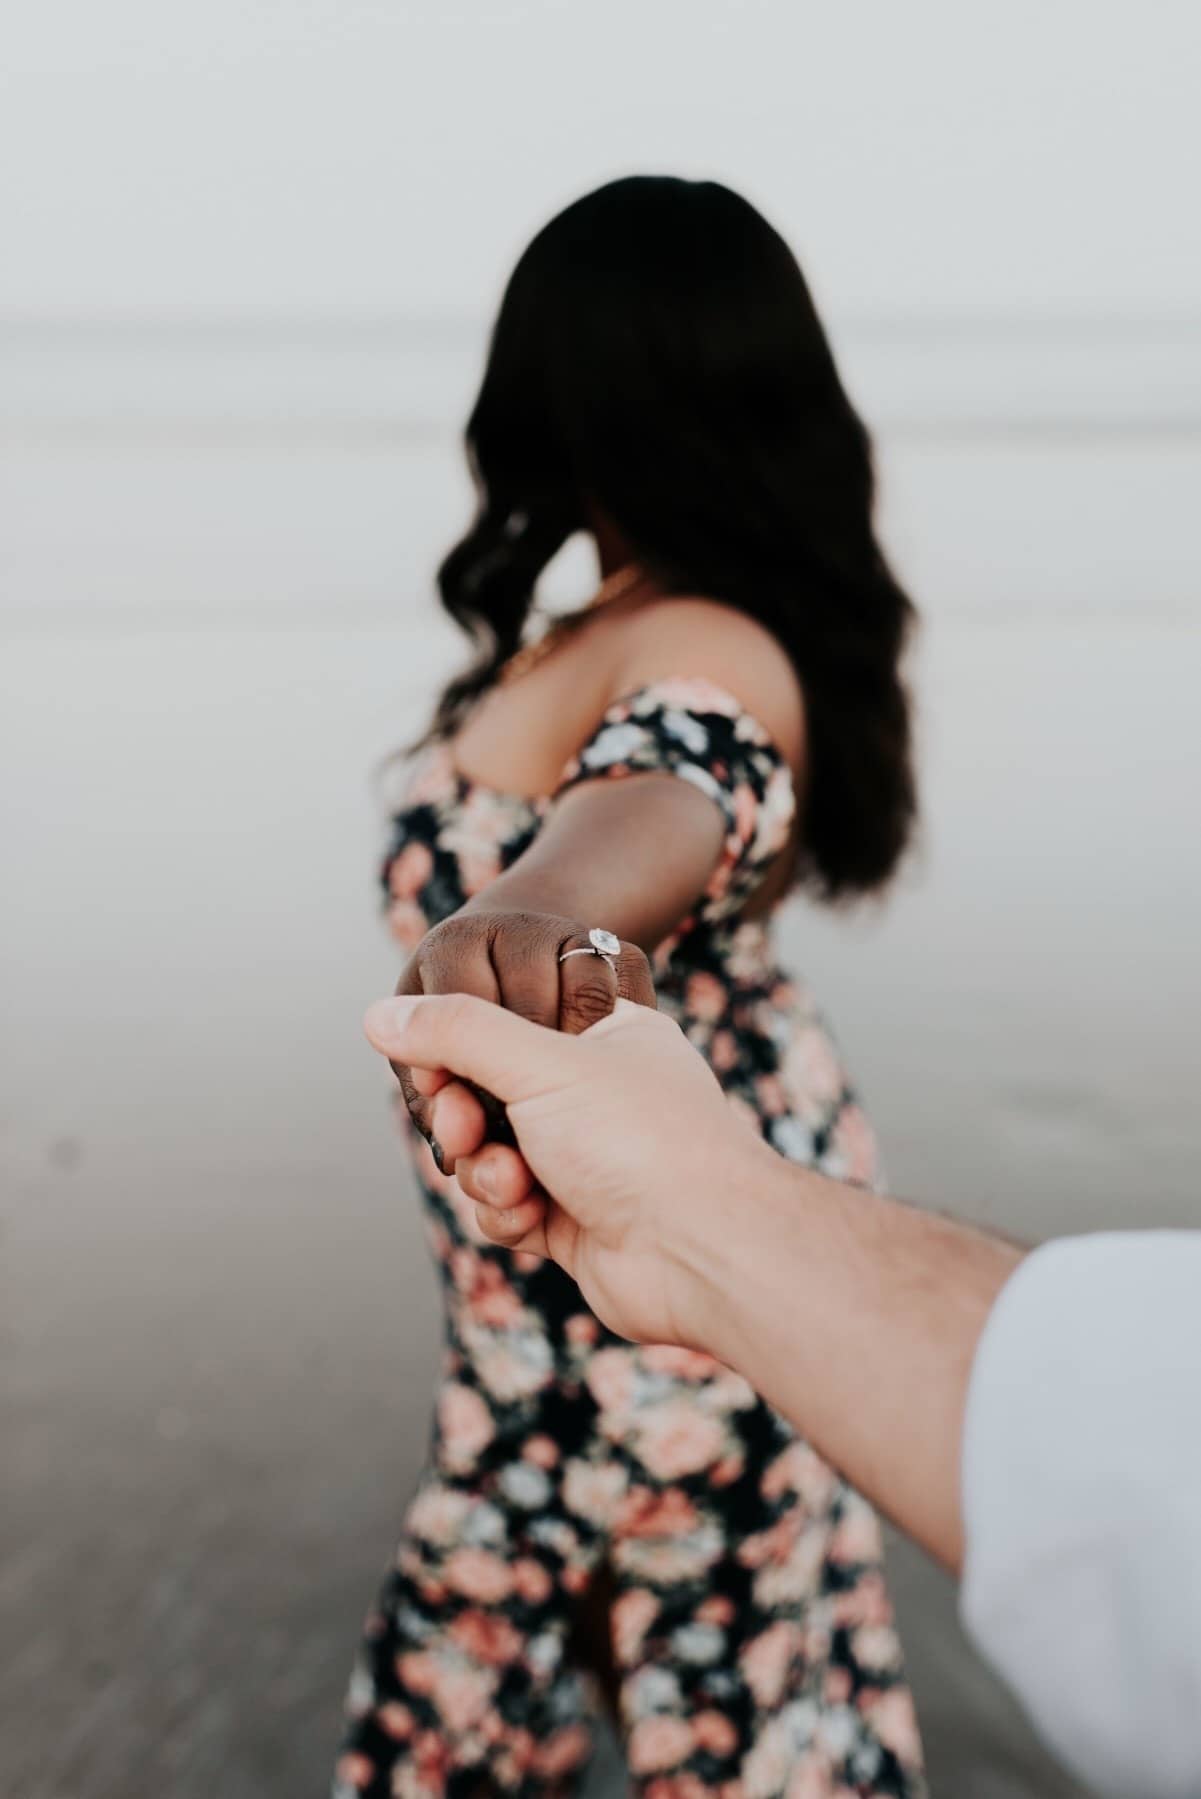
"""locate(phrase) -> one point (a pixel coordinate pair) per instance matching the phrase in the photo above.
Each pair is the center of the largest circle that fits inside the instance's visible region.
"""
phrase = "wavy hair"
(658, 360)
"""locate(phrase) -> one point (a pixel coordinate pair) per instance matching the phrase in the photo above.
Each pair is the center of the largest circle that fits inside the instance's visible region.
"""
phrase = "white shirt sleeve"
(1082, 1505)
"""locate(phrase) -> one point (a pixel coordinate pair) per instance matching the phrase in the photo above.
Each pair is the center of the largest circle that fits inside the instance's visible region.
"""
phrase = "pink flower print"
(492, 1300)
(437, 1514)
(723, 1052)
(611, 750)
(633, 1613)
(677, 1438)
(431, 1764)
(894, 1721)
(837, 1686)
(417, 1671)
(664, 1561)
(466, 1426)
(582, 1330)
(562, 1751)
(532, 1581)
(792, 1579)
(678, 1786)
(517, 1758)
(867, 1602)
(714, 1733)
(484, 820)
(727, 1471)
(649, 1514)
(396, 1721)
(658, 1743)
(811, 1780)
(409, 871)
(481, 825)
(592, 1490)
(478, 1575)
(406, 923)
(574, 1579)
(705, 997)
(857, 1537)
(684, 1364)
(437, 1235)
(726, 1392)
(798, 1470)
(355, 1770)
(777, 810)
(813, 1074)
(408, 1562)
(769, 1091)
(876, 1649)
(462, 1695)
(464, 1268)
(486, 1637)
(498, 1307)
(766, 1768)
(774, 1545)
(767, 1660)
(478, 868)
(746, 813)
(717, 1609)
(542, 1451)
(611, 1379)
(514, 1367)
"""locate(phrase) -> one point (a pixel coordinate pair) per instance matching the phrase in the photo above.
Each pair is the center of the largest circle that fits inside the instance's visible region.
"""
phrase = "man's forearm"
(858, 1318)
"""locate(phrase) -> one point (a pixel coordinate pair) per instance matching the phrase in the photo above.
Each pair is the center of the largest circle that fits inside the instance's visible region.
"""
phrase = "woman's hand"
(513, 959)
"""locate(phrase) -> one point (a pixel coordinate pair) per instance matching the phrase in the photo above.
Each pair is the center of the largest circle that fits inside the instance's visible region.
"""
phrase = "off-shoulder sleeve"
(697, 731)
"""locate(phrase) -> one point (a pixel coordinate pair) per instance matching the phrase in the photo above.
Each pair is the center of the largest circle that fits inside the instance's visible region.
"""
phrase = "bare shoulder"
(706, 640)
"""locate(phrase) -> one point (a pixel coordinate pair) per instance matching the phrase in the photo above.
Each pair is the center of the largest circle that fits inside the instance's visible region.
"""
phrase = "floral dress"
(752, 1633)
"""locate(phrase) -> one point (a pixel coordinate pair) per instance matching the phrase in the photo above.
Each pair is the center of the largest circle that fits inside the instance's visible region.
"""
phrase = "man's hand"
(624, 1124)
(680, 1225)
(513, 959)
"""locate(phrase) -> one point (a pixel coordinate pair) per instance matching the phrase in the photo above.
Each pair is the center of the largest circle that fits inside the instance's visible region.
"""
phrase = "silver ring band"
(600, 943)
(590, 952)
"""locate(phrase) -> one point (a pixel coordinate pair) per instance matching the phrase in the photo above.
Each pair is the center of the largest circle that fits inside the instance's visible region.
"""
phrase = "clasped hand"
(513, 959)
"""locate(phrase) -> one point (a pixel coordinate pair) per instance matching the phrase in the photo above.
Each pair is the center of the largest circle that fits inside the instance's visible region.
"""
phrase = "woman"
(724, 720)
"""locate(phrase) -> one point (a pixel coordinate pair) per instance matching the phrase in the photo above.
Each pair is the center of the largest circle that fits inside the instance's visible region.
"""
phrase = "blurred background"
(250, 254)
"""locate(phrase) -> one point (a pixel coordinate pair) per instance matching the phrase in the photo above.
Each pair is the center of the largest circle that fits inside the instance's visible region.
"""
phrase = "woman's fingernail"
(436, 1152)
(485, 1179)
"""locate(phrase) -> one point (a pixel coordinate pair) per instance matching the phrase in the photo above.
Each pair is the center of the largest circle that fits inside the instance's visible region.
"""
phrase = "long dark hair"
(658, 361)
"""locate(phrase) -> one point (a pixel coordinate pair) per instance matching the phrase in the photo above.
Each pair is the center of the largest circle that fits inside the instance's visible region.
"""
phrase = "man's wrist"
(748, 1195)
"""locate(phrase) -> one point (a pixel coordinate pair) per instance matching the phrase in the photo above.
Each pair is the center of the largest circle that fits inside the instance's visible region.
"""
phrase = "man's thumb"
(471, 1038)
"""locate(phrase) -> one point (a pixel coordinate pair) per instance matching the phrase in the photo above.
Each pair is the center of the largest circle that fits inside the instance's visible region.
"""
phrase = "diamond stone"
(605, 943)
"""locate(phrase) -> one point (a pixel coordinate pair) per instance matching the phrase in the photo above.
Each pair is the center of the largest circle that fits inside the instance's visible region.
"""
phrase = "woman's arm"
(632, 856)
